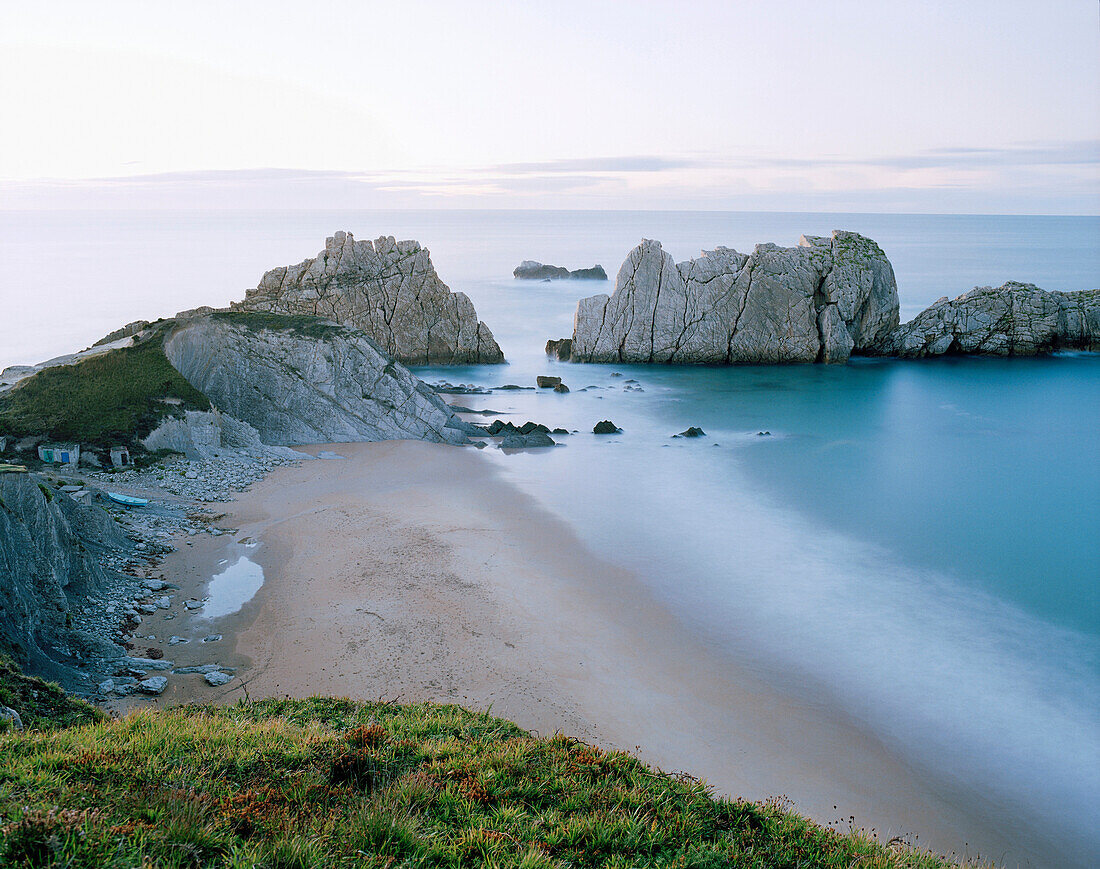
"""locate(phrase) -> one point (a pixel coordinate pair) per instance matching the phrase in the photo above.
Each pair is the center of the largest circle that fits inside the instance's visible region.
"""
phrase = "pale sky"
(830, 106)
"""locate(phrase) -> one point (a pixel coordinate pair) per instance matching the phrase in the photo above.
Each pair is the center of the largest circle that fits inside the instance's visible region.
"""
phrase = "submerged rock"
(390, 291)
(316, 382)
(530, 270)
(547, 382)
(606, 427)
(819, 301)
(1015, 319)
(527, 441)
(692, 432)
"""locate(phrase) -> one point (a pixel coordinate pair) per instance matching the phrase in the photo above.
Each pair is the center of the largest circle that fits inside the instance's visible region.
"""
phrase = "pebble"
(213, 638)
(175, 641)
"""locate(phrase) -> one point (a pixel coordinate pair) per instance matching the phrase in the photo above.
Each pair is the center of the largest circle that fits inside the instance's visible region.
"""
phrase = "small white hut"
(60, 454)
(120, 457)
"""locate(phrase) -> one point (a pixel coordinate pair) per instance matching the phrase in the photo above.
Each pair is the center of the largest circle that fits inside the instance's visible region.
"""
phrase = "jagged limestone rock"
(307, 383)
(389, 290)
(819, 301)
(1015, 319)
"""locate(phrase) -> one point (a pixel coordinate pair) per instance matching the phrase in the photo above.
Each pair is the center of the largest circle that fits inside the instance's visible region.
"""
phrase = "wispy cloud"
(596, 164)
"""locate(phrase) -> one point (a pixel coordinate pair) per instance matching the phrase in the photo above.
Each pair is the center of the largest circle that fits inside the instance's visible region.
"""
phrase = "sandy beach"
(409, 571)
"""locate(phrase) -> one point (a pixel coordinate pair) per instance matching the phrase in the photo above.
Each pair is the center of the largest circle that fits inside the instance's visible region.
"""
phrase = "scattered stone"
(606, 427)
(163, 602)
(213, 638)
(146, 608)
(10, 718)
(154, 653)
(153, 685)
(216, 678)
(154, 584)
(176, 641)
(193, 604)
(559, 348)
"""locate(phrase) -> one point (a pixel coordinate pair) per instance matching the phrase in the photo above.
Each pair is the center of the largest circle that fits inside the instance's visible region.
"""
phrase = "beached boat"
(128, 500)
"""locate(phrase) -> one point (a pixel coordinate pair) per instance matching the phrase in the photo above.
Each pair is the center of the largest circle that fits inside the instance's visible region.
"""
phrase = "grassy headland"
(116, 397)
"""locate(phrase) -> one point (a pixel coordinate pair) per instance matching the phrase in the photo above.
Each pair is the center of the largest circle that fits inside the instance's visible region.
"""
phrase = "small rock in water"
(692, 432)
(217, 678)
(547, 382)
(763, 434)
(153, 685)
(606, 427)
(561, 389)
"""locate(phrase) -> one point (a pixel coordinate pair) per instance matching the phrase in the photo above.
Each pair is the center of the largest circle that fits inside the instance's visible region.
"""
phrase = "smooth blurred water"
(916, 543)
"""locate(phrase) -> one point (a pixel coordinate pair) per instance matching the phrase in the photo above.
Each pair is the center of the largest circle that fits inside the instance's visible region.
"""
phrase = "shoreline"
(410, 571)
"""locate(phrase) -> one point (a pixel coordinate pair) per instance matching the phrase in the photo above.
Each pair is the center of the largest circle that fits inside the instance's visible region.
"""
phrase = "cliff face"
(1011, 320)
(307, 382)
(47, 544)
(389, 290)
(819, 301)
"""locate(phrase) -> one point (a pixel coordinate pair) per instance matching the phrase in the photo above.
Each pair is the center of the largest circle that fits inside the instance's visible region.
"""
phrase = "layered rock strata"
(820, 301)
(48, 564)
(305, 383)
(387, 289)
(1015, 319)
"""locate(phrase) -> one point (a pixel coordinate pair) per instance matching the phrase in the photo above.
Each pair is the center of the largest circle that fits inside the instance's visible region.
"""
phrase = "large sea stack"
(389, 290)
(818, 302)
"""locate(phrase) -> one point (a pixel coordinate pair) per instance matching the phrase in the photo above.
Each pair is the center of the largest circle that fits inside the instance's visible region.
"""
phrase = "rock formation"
(1012, 320)
(559, 348)
(387, 289)
(47, 561)
(298, 381)
(529, 270)
(819, 301)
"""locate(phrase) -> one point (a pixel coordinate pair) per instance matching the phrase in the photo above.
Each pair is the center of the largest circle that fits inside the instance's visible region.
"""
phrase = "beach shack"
(60, 454)
(120, 457)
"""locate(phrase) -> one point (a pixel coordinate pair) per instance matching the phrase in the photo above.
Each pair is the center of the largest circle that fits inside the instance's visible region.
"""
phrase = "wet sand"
(411, 571)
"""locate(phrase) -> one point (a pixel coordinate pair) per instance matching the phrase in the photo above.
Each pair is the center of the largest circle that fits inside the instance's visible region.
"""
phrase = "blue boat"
(128, 500)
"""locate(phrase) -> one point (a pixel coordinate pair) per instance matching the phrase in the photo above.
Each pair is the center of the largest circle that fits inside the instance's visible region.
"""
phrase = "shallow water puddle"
(233, 588)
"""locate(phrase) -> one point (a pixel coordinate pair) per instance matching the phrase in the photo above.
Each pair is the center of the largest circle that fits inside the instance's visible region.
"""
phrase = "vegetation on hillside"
(300, 324)
(41, 705)
(117, 397)
(330, 782)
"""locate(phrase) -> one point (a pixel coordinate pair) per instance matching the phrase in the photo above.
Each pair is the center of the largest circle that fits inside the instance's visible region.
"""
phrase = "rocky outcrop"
(529, 270)
(387, 289)
(559, 348)
(206, 435)
(298, 381)
(1011, 320)
(820, 301)
(48, 544)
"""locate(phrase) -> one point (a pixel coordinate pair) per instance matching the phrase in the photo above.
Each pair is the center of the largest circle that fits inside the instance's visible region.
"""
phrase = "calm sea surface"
(916, 542)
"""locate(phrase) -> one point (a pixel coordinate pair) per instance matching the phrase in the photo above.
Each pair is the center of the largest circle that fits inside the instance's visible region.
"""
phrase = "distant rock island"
(820, 301)
(387, 289)
(1011, 320)
(529, 270)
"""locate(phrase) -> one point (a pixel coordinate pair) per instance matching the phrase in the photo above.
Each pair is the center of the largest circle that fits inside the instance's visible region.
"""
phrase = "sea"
(916, 543)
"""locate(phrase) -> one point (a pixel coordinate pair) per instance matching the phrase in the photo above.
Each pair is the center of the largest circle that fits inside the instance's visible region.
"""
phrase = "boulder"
(559, 348)
(309, 382)
(692, 432)
(1015, 319)
(527, 441)
(10, 718)
(561, 389)
(153, 685)
(547, 382)
(606, 427)
(529, 270)
(819, 301)
(387, 289)
(217, 678)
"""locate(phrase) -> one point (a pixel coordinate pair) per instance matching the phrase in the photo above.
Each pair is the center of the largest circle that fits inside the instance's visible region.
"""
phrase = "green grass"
(330, 783)
(299, 324)
(107, 399)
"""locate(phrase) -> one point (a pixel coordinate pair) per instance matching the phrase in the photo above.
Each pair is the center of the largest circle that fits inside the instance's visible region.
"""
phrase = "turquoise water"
(916, 543)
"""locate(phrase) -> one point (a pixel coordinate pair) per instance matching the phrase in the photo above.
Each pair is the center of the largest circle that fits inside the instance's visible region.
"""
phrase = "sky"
(979, 107)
